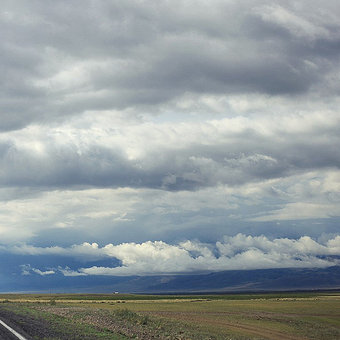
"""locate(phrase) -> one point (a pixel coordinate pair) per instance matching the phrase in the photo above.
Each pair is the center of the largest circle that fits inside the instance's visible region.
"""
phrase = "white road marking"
(19, 336)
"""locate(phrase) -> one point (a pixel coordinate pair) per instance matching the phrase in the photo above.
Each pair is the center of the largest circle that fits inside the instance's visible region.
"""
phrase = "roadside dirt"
(103, 321)
(263, 332)
(35, 328)
(149, 330)
(19, 323)
(97, 318)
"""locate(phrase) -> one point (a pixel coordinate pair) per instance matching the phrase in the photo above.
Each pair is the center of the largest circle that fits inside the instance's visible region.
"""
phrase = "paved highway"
(8, 333)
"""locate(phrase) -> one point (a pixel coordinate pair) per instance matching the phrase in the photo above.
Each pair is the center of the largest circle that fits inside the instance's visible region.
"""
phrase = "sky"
(161, 137)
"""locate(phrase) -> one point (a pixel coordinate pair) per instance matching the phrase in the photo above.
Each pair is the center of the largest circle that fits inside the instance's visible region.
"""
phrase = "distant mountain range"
(252, 280)
(238, 281)
(226, 281)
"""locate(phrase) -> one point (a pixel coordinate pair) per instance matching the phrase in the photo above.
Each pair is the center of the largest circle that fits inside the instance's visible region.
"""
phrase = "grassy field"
(239, 316)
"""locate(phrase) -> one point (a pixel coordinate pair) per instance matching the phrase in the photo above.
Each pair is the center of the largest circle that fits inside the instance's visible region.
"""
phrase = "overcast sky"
(147, 131)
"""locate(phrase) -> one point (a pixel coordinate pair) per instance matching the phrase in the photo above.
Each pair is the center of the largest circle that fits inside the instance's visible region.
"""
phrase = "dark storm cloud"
(63, 58)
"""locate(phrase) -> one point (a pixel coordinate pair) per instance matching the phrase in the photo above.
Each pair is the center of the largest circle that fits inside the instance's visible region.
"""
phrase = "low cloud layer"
(238, 252)
(169, 156)
(303, 204)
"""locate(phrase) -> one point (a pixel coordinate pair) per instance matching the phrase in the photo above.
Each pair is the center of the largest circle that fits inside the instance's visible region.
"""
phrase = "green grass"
(233, 316)
(61, 327)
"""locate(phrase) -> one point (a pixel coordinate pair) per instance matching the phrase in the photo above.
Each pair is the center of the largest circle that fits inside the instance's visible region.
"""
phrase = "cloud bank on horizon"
(163, 128)
(158, 257)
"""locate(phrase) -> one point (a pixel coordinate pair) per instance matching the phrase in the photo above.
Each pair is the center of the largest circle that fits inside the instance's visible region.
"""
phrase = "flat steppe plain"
(123, 316)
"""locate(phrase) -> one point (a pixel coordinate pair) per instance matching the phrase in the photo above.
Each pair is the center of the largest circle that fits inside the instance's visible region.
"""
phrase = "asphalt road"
(28, 326)
(6, 334)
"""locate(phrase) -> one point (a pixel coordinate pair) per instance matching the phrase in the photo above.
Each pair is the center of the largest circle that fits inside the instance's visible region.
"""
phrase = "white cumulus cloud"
(232, 253)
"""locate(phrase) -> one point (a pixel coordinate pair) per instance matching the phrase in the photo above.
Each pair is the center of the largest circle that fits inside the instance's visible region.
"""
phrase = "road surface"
(8, 333)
